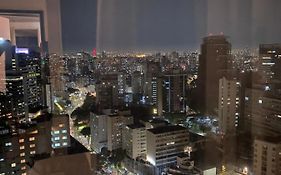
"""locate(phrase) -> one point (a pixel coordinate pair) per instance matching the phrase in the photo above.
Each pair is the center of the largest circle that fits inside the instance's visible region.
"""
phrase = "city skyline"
(117, 88)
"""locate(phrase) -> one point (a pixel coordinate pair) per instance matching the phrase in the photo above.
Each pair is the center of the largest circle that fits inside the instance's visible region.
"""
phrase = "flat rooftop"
(136, 125)
(165, 129)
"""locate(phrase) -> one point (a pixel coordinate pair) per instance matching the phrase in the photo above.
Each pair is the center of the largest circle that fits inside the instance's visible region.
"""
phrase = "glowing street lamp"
(245, 170)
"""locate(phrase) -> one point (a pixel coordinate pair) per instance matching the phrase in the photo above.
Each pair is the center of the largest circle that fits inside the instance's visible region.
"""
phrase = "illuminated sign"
(22, 51)
(94, 52)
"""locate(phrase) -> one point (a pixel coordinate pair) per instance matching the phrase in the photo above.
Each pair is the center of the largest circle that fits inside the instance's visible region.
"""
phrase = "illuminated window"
(8, 144)
(34, 132)
(64, 137)
(32, 146)
(21, 140)
(64, 143)
(64, 131)
(32, 152)
(61, 125)
(23, 168)
(13, 165)
(22, 161)
(23, 174)
(21, 147)
(31, 138)
(22, 154)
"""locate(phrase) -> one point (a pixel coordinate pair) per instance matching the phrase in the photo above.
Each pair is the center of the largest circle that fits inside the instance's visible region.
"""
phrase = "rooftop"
(165, 129)
(271, 139)
(136, 125)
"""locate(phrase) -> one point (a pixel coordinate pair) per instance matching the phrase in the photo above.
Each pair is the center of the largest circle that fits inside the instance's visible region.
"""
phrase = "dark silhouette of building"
(213, 62)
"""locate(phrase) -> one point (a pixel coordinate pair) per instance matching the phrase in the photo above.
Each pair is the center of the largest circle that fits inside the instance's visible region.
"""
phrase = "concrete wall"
(52, 18)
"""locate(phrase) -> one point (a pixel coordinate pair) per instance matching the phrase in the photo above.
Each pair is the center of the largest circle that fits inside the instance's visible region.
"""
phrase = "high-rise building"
(164, 144)
(267, 156)
(98, 124)
(56, 74)
(213, 61)
(107, 92)
(134, 140)
(22, 77)
(137, 80)
(229, 104)
(270, 58)
(17, 149)
(174, 93)
(263, 110)
(150, 87)
(5, 107)
(115, 125)
(24, 80)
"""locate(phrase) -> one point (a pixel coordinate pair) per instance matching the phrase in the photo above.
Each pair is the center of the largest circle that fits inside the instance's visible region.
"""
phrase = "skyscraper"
(229, 104)
(213, 61)
(174, 92)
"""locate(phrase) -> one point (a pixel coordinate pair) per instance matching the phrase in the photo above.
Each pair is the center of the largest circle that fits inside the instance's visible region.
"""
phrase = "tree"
(86, 131)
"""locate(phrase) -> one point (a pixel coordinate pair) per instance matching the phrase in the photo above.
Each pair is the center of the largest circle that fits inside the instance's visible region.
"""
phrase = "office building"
(98, 124)
(267, 156)
(164, 144)
(174, 93)
(24, 80)
(229, 104)
(213, 61)
(134, 140)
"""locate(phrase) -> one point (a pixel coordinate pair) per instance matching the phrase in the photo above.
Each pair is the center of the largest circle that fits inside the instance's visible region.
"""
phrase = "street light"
(245, 170)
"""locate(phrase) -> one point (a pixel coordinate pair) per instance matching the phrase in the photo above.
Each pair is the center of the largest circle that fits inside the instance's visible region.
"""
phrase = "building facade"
(134, 140)
(229, 105)
(213, 61)
(267, 156)
(164, 144)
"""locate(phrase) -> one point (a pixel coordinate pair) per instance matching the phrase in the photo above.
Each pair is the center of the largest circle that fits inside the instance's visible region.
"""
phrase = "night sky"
(150, 25)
